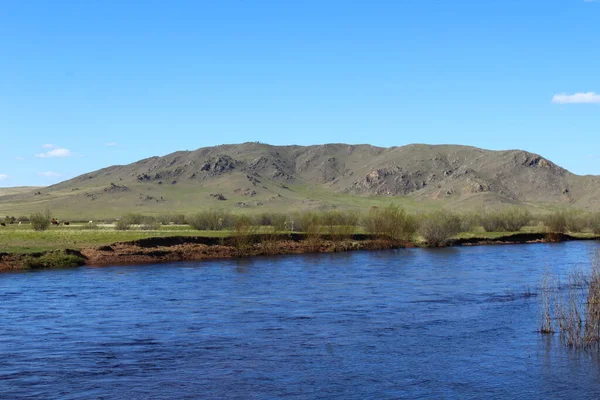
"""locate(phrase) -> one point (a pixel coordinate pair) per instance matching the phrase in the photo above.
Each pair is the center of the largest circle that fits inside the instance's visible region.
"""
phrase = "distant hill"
(260, 177)
(5, 191)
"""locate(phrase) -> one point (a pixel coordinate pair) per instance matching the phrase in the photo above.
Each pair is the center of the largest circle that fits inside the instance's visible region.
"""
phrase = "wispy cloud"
(577, 98)
(56, 152)
(110, 144)
(49, 174)
(19, 158)
(3, 177)
(48, 146)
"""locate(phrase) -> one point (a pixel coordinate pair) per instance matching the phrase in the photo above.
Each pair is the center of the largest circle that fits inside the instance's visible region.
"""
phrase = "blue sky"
(88, 84)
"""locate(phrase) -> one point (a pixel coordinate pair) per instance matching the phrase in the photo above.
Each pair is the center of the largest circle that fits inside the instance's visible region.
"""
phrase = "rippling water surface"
(415, 323)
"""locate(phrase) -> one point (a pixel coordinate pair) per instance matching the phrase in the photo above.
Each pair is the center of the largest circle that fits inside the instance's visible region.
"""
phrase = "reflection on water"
(414, 323)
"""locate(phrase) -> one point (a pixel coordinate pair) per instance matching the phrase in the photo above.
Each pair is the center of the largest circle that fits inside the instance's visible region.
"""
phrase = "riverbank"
(196, 248)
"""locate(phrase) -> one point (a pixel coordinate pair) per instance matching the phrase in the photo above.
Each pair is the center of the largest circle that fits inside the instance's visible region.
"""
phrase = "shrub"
(556, 222)
(276, 220)
(243, 235)
(164, 219)
(340, 225)
(391, 223)
(149, 224)
(594, 223)
(143, 222)
(198, 221)
(211, 220)
(575, 221)
(510, 220)
(469, 221)
(310, 223)
(492, 222)
(122, 224)
(23, 219)
(40, 221)
(133, 218)
(167, 219)
(374, 222)
(438, 227)
(516, 218)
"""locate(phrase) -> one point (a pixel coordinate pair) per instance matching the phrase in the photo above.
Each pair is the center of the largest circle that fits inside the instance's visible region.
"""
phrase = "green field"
(433, 228)
(186, 199)
(23, 239)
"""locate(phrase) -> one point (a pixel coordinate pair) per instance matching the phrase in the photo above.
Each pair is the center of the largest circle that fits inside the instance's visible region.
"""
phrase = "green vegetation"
(390, 223)
(56, 259)
(556, 222)
(142, 222)
(310, 223)
(243, 235)
(171, 219)
(276, 220)
(40, 221)
(23, 239)
(339, 225)
(122, 225)
(573, 308)
(255, 178)
(594, 223)
(210, 220)
(438, 227)
(187, 199)
(470, 221)
(509, 220)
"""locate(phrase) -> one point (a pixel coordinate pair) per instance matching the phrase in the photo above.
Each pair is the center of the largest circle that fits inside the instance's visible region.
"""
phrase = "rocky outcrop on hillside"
(444, 173)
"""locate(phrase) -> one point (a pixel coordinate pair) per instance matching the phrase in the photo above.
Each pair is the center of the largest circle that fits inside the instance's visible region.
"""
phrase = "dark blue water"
(448, 323)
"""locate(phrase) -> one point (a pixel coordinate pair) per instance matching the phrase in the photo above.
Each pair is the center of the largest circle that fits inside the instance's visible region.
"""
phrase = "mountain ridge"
(260, 176)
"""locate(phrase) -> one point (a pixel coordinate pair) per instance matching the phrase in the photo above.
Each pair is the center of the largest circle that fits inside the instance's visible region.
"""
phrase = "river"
(410, 323)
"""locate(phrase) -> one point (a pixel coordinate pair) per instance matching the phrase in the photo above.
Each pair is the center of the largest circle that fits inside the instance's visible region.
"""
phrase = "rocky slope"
(254, 174)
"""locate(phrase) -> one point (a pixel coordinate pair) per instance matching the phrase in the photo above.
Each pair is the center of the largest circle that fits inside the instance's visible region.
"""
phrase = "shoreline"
(157, 250)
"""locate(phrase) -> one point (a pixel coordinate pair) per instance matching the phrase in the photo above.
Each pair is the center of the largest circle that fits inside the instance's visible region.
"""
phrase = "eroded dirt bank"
(185, 248)
(136, 253)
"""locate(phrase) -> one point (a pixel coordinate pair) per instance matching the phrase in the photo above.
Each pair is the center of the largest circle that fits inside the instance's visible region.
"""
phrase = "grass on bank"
(55, 259)
(25, 240)
(389, 223)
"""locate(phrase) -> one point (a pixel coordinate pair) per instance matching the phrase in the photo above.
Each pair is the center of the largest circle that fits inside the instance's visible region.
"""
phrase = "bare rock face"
(270, 166)
(219, 165)
(113, 188)
(147, 198)
(392, 182)
(245, 192)
(260, 163)
(144, 178)
(535, 161)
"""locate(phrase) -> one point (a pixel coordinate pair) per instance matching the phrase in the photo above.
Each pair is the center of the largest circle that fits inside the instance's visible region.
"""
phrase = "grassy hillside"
(254, 177)
(6, 191)
(190, 198)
